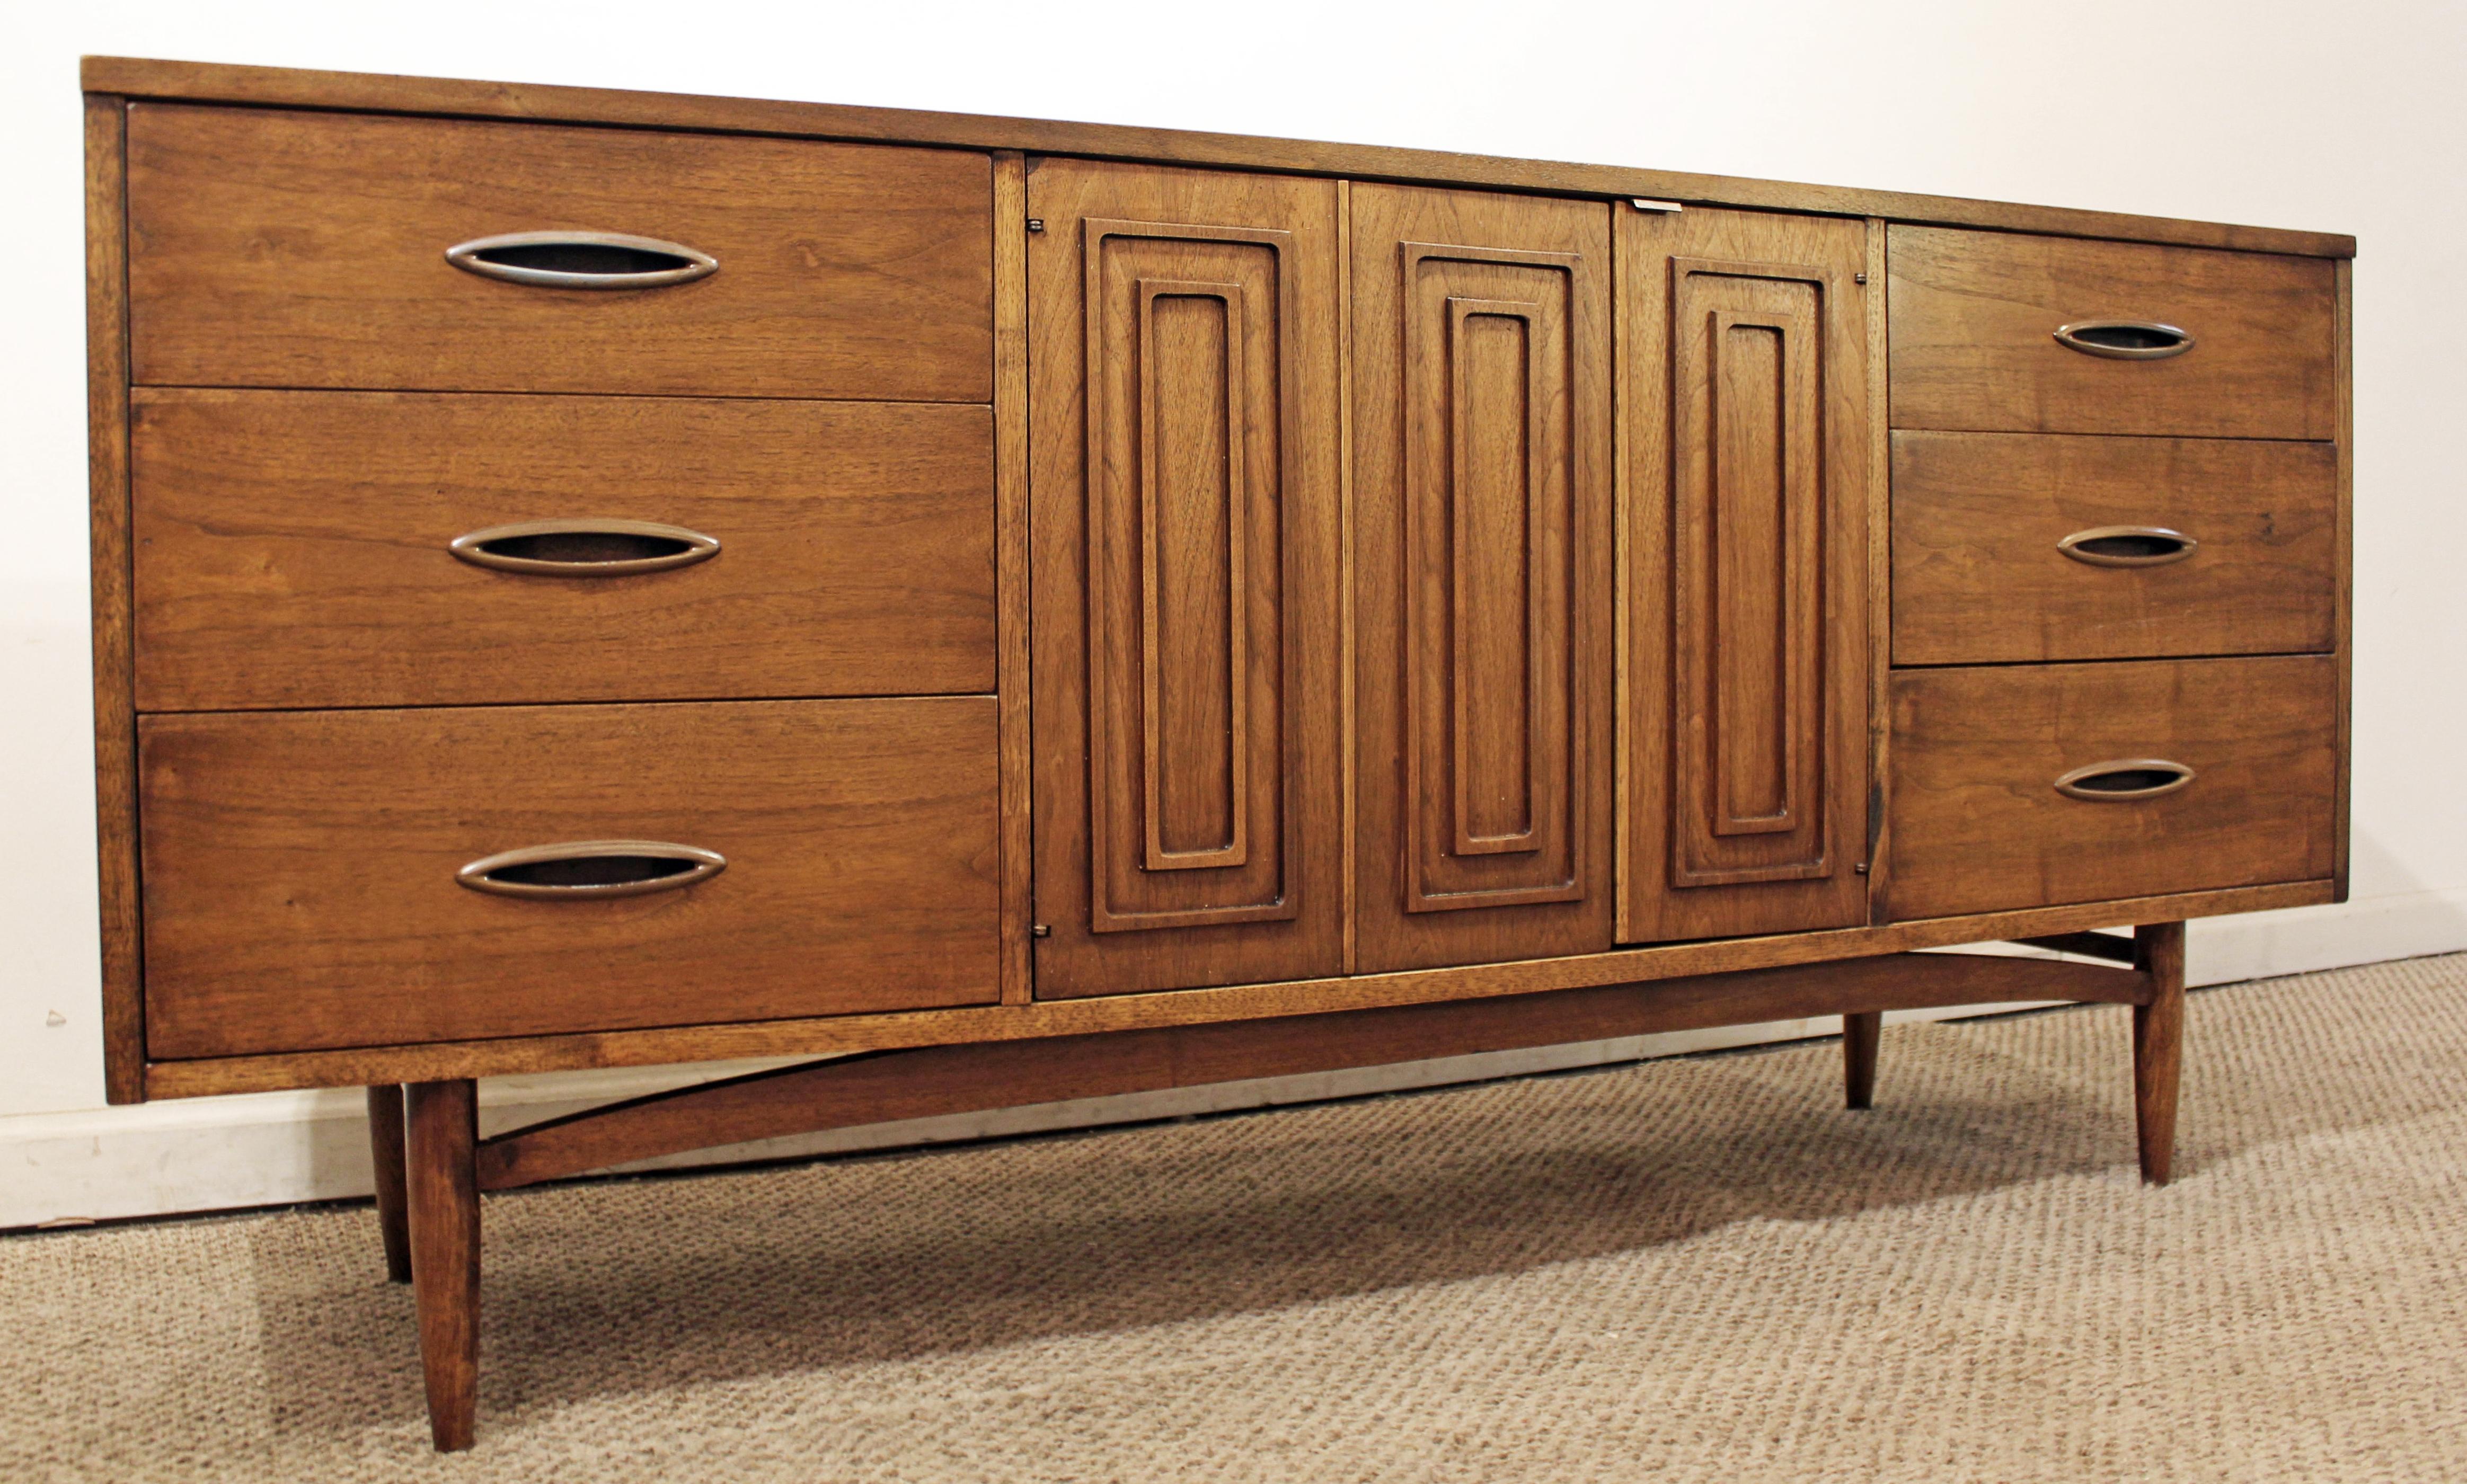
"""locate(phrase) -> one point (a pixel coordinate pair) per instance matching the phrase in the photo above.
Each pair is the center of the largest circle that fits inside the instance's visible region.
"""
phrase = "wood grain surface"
(291, 548)
(1978, 577)
(1974, 346)
(939, 1079)
(282, 249)
(301, 868)
(1206, 607)
(386, 1167)
(1980, 826)
(2343, 565)
(304, 88)
(444, 1203)
(1747, 509)
(840, 1035)
(1481, 410)
(115, 630)
(2159, 1046)
(1183, 330)
(1013, 682)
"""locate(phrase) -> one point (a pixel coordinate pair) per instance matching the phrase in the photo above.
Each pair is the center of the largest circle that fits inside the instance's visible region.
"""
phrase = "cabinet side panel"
(2342, 628)
(115, 721)
(1749, 436)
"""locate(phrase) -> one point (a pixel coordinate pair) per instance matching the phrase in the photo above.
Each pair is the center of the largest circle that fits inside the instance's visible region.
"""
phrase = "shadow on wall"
(2393, 914)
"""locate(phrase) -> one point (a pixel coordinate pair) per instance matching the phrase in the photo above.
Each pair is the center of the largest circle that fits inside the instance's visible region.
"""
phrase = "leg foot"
(385, 1152)
(2159, 1046)
(444, 1204)
(1859, 1033)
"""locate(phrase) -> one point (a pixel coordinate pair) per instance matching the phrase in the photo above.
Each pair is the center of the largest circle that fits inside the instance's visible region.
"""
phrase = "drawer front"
(300, 870)
(1974, 315)
(1978, 821)
(280, 249)
(293, 548)
(1981, 523)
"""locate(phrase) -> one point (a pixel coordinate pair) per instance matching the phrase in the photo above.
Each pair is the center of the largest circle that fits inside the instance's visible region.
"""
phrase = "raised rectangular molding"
(1185, 440)
(1748, 538)
(1494, 752)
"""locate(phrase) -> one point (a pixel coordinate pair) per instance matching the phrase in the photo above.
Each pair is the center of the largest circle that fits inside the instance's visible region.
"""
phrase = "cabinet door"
(1482, 571)
(1183, 453)
(1748, 437)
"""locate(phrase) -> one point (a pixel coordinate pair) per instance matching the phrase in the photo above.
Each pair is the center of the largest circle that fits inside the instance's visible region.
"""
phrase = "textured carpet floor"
(1697, 1269)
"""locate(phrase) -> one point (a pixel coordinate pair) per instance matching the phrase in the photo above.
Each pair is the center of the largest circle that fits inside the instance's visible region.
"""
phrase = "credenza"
(1015, 611)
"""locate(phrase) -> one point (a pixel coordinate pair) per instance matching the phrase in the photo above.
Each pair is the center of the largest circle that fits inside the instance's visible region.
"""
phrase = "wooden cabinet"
(1481, 575)
(1182, 337)
(1746, 407)
(1024, 611)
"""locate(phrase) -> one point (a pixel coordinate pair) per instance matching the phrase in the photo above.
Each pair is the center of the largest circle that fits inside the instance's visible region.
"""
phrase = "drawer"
(270, 248)
(1973, 318)
(1978, 823)
(301, 868)
(1983, 522)
(294, 548)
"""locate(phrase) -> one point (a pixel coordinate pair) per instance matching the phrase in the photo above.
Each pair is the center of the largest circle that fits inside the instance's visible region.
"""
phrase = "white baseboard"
(272, 1149)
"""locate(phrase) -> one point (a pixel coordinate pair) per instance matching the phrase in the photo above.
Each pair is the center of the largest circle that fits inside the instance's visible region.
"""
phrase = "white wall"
(2263, 111)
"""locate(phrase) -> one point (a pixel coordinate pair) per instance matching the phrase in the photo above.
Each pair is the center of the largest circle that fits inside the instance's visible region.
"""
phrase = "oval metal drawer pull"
(2125, 339)
(591, 869)
(584, 548)
(2124, 780)
(2128, 546)
(581, 260)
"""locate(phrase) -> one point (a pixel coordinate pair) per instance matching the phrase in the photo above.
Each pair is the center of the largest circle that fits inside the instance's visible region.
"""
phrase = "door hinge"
(1036, 224)
(1039, 930)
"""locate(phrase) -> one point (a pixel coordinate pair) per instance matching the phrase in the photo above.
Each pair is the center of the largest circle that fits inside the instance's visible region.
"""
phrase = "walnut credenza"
(1032, 610)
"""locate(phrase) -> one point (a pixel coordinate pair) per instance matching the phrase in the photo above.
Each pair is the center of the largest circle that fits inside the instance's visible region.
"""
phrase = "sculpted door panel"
(1749, 436)
(1183, 372)
(1483, 571)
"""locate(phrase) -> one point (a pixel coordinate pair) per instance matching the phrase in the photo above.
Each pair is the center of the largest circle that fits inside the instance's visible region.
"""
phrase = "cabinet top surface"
(301, 88)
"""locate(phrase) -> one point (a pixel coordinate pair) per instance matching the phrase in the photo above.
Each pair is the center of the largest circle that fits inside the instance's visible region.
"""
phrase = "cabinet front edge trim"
(848, 1034)
(289, 87)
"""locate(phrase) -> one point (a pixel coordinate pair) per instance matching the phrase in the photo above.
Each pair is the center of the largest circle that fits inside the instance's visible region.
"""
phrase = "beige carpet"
(1698, 1269)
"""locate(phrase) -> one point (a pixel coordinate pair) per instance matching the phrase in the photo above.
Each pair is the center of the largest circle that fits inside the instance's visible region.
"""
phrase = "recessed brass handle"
(591, 869)
(2125, 339)
(2128, 546)
(584, 548)
(2124, 780)
(581, 260)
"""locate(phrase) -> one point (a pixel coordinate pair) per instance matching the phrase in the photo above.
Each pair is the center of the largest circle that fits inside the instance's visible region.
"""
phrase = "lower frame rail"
(889, 1086)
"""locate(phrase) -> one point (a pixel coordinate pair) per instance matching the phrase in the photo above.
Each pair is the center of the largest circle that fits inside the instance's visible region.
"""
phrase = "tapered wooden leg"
(444, 1202)
(1858, 1032)
(2159, 1046)
(385, 1153)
